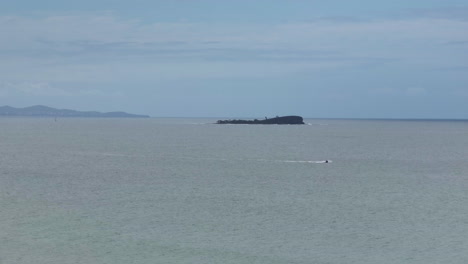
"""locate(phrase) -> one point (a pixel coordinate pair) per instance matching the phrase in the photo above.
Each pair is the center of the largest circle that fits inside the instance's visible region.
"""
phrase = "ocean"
(183, 190)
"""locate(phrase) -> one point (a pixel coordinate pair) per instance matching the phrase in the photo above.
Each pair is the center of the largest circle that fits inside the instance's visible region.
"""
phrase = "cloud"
(97, 33)
(414, 91)
(45, 89)
(452, 13)
(458, 43)
(105, 47)
(32, 89)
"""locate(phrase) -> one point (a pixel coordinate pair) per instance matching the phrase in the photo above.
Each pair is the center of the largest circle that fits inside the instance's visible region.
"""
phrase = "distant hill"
(45, 111)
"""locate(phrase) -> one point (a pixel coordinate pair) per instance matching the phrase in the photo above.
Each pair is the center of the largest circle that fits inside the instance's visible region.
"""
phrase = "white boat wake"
(116, 155)
(306, 161)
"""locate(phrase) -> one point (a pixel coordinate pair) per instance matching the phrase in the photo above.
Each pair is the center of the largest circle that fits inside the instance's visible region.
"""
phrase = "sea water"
(189, 191)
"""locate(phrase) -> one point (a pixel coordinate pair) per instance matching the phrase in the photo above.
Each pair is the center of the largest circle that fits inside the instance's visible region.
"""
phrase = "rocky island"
(279, 120)
(45, 111)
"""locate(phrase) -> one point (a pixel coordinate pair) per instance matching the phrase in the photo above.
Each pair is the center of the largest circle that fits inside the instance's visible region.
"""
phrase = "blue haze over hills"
(45, 111)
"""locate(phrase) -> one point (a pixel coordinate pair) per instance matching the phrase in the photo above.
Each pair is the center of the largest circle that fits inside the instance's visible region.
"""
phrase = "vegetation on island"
(283, 120)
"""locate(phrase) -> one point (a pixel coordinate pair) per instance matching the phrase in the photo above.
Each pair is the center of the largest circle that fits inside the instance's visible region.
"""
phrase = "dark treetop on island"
(45, 111)
(279, 120)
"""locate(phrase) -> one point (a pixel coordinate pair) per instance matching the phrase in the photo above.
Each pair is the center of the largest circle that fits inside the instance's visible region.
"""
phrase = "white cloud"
(31, 88)
(22, 32)
(414, 91)
(44, 89)
(105, 48)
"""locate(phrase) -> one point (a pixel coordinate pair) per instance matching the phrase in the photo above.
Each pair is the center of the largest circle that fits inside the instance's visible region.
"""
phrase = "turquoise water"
(186, 191)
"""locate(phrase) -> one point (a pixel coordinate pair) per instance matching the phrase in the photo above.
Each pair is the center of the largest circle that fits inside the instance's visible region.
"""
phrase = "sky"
(242, 58)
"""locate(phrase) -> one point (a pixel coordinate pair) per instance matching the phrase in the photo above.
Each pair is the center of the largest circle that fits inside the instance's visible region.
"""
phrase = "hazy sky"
(239, 58)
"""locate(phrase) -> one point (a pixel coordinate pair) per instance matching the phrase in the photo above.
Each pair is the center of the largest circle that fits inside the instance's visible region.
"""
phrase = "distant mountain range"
(45, 111)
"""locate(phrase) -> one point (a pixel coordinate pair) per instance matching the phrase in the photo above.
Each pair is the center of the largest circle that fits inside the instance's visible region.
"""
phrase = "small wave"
(107, 154)
(317, 124)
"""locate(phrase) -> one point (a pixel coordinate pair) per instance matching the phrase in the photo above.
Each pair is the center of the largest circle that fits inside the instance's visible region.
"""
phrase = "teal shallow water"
(185, 191)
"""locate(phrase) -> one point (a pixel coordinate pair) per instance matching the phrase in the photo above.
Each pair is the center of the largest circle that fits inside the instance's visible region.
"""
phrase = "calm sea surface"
(122, 191)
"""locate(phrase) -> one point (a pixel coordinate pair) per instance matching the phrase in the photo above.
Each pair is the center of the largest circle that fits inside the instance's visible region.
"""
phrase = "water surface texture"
(186, 191)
